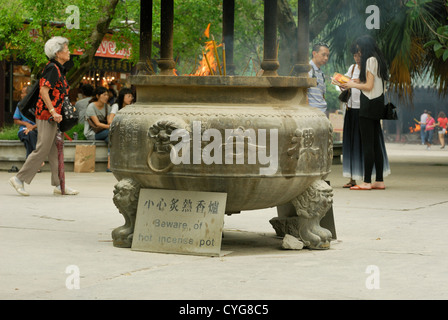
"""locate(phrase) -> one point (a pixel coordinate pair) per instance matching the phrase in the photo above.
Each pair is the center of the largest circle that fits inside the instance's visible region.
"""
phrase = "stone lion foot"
(313, 235)
(122, 236)
(309, 209)
(125, 198)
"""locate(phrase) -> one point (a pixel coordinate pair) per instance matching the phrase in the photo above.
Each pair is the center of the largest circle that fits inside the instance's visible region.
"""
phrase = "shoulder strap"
(59, 72)
(314, 72)
(353, 70)
(57, 68)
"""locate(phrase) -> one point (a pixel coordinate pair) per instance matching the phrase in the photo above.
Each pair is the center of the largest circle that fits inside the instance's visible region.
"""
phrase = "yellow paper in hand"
(340, 78)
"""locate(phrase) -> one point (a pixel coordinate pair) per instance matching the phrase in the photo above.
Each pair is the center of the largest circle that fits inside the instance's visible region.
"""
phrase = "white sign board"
(185, 222)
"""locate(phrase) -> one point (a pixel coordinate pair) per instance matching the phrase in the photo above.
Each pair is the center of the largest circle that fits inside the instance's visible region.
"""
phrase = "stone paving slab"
(397, 235)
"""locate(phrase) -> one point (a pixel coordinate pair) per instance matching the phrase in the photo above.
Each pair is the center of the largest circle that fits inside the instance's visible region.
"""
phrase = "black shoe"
(13, 169)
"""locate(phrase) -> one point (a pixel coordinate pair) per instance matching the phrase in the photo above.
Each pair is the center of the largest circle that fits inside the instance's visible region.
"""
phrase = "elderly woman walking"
(53, 87)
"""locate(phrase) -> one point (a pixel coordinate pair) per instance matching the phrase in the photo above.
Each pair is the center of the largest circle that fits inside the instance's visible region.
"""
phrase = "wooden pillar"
(228, 25)
(302, 65)
(166, 62)
(270, 62)
(145, 38)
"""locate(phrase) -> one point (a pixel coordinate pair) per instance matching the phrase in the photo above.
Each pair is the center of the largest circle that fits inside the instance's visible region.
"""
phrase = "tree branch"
(98, 33)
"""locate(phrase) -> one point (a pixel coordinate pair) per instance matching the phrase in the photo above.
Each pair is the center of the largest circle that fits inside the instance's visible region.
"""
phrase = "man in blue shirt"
(316, 95)
(28, 130)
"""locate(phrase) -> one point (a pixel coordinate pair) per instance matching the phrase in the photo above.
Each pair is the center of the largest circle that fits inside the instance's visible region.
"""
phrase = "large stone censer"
(254, 138)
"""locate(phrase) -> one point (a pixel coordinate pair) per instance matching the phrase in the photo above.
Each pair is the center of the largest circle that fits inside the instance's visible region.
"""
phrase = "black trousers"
(29, 140)
(371, 147)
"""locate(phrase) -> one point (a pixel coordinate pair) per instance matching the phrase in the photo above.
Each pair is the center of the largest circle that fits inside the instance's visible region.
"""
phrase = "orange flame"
(417, 128)
(207, 31)
(208, 64)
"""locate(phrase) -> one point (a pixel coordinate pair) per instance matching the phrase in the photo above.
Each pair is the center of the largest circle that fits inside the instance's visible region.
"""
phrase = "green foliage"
(191, 18)
(45, 19)
(440, 47)
(9, 132)
(248, 35)
(419, 10)
(405, 26)
(79, 128)
(331, 96)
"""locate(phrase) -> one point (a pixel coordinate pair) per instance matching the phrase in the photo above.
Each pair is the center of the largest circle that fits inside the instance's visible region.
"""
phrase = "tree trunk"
(85, 61)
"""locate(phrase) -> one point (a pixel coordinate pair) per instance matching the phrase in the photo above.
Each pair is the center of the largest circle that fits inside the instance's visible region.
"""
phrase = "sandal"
(349, 184)
(357, 187)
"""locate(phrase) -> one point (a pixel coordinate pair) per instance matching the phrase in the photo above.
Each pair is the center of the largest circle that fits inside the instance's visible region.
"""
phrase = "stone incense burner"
(253, 138)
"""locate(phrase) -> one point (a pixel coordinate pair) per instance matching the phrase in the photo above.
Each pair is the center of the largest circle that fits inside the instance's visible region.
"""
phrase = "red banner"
(108, 49)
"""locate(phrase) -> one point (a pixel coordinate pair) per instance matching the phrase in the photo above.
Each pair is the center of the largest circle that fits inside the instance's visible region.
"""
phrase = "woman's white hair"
(55, 45)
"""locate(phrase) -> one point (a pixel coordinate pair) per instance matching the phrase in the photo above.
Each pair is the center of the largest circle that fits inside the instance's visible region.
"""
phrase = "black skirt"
(352, 157)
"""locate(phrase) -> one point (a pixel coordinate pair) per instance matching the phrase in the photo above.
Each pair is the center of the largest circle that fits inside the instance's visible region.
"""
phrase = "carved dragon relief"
(302, 144)
(160, 136)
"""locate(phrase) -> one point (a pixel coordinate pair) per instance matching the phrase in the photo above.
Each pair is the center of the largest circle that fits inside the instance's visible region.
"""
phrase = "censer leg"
(125, 198)
(309, 207)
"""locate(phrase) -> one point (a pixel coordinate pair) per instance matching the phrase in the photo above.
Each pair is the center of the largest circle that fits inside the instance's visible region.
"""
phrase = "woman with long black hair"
(125, 98)
(373, 74)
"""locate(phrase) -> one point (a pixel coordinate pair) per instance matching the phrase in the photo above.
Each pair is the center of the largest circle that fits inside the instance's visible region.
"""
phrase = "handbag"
(345, 95)
(28, 104)
(390, 112)
(94, 127)
(69, 114)
(376, 108)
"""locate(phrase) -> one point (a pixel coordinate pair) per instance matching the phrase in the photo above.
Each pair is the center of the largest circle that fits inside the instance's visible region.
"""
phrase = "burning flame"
(208, 64)
(417, 128)
(207, 31)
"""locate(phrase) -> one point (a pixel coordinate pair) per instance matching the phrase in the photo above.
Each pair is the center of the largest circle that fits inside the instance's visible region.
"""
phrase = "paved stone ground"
(391, 244)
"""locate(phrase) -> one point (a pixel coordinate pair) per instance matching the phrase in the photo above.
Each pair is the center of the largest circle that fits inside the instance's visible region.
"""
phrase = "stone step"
(12, 153)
